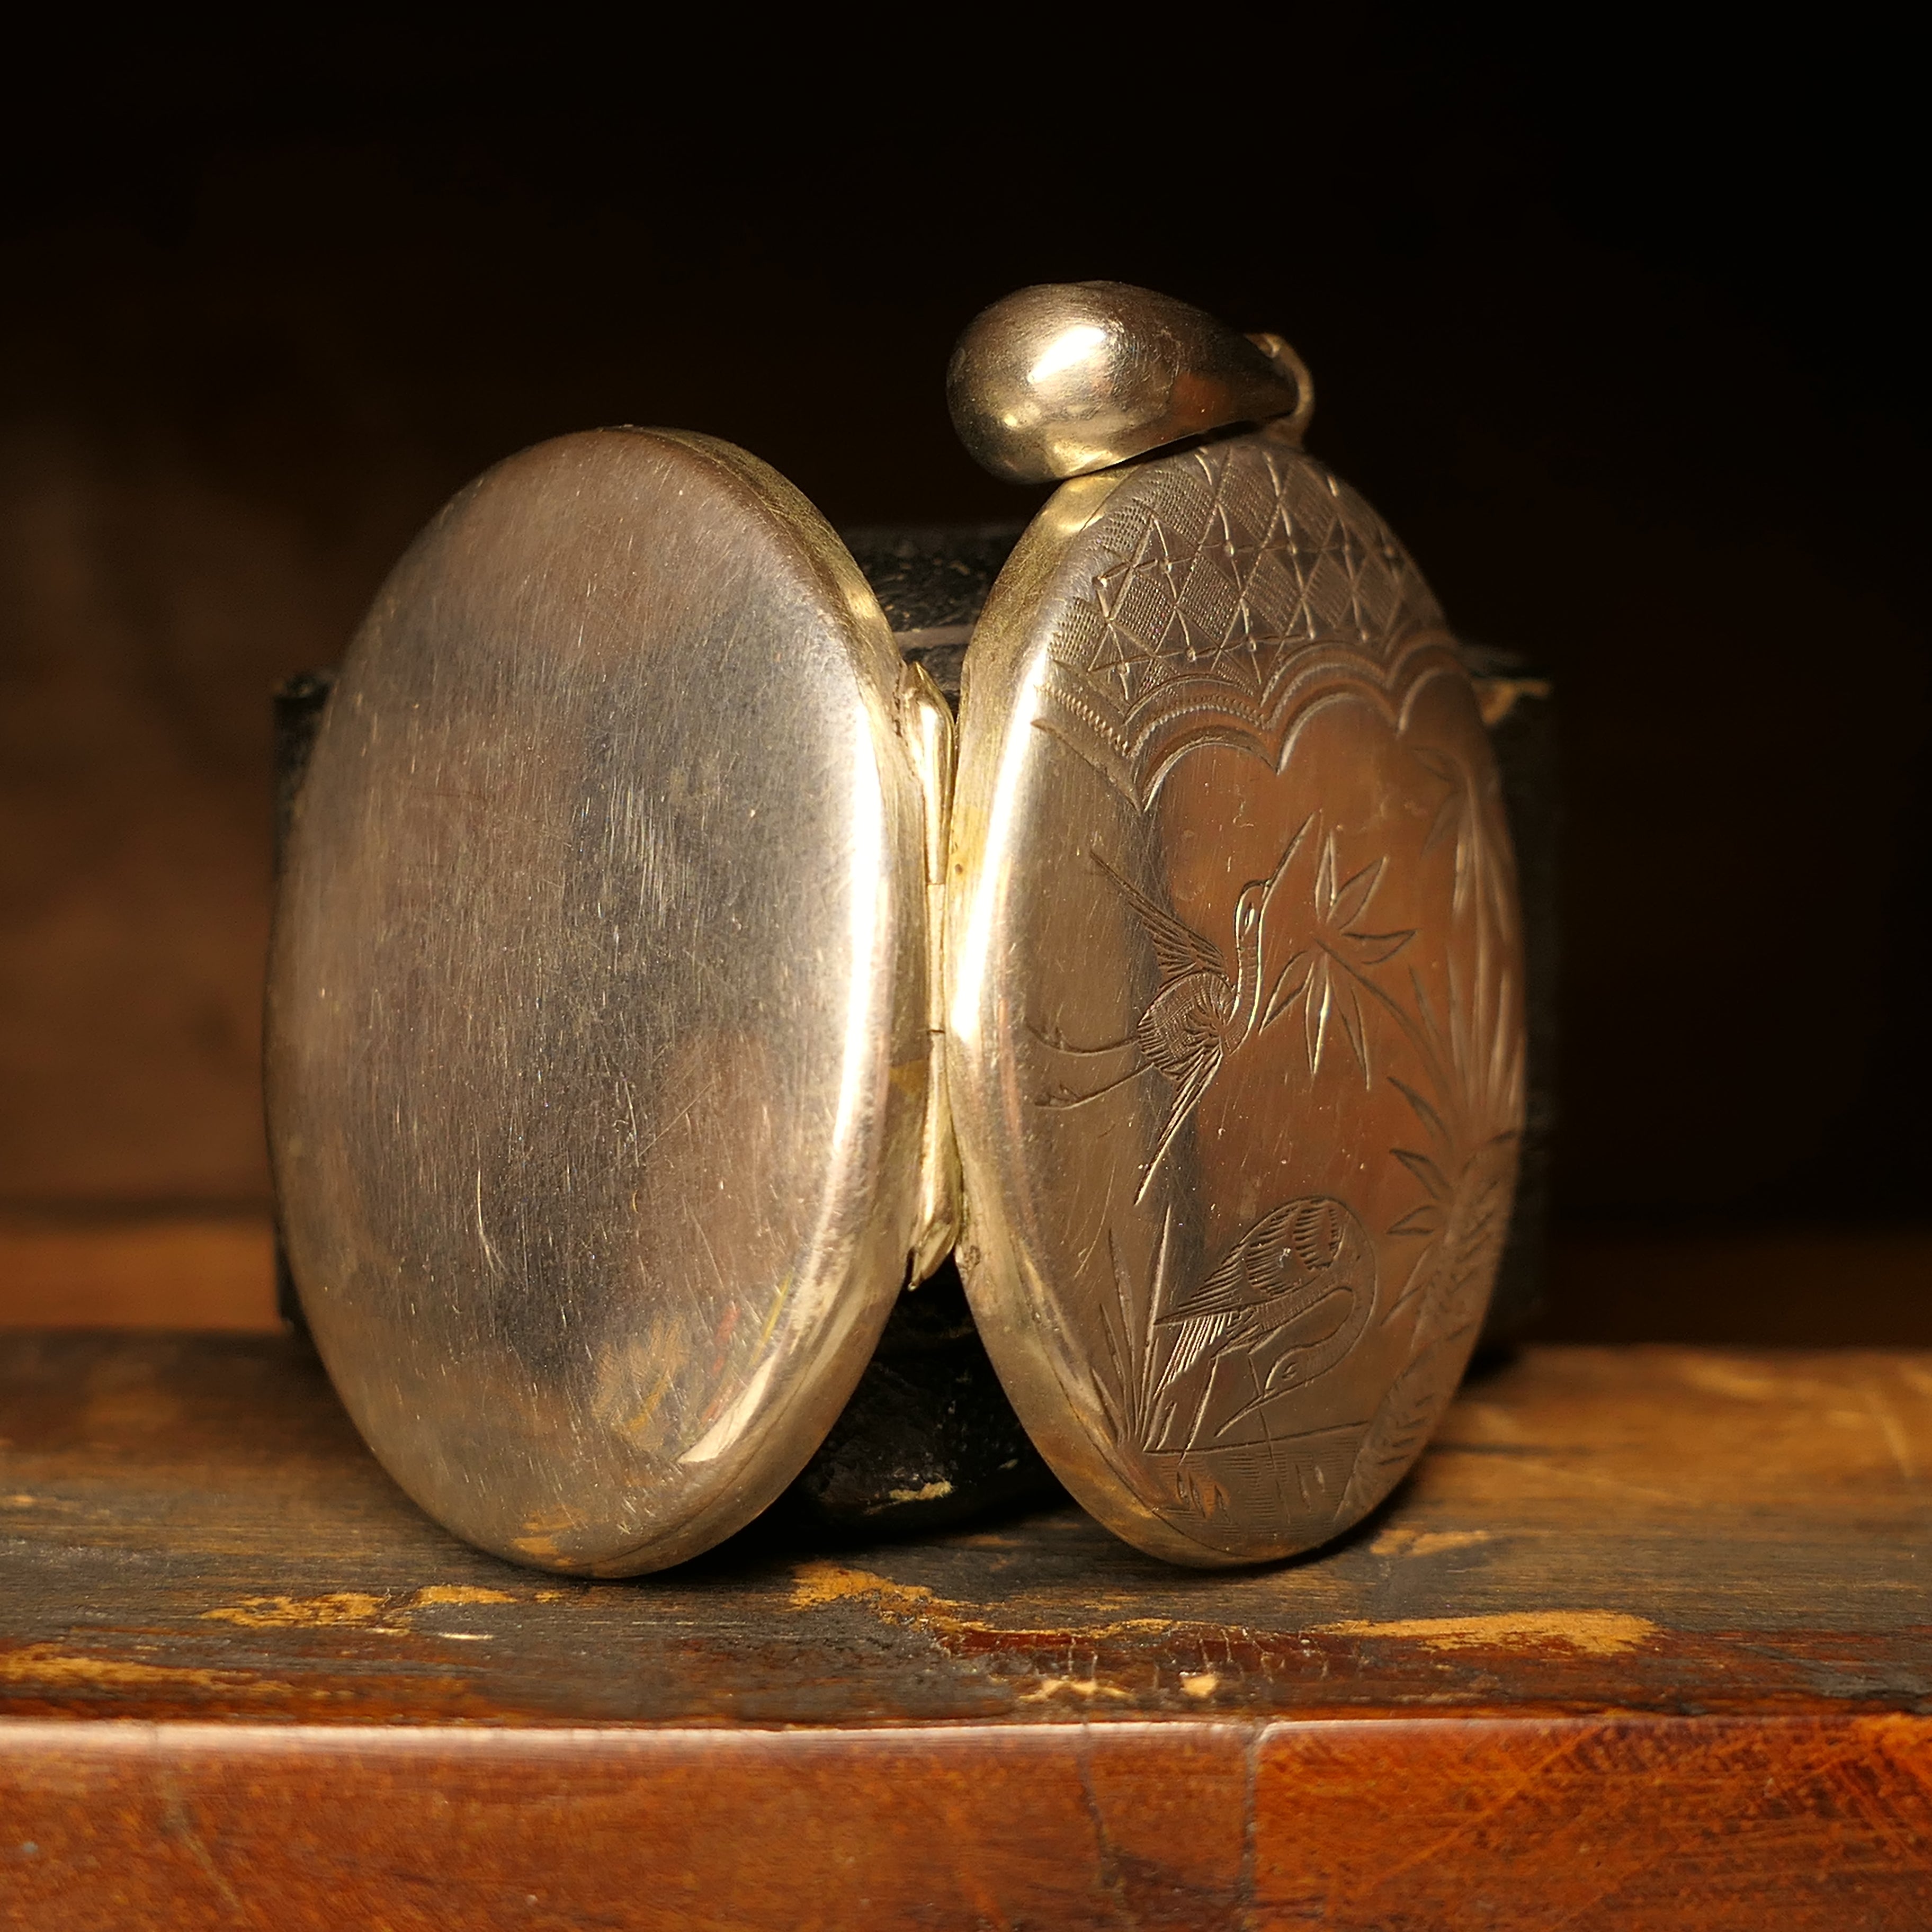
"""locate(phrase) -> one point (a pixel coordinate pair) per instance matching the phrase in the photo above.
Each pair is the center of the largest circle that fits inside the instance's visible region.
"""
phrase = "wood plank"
(1597, 1824)
(192, 1529)
(1399, 1825)
(137, 1270)
(200, 1825)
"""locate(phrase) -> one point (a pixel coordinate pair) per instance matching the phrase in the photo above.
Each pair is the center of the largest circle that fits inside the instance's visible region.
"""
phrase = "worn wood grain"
(1597, 1824)
(191, 1527)
(1406, 1825)
(1648, 1635)
(1048, 1827)
(141, 1270)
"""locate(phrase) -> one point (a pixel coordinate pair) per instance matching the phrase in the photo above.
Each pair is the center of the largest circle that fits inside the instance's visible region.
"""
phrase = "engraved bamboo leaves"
(1326, 975)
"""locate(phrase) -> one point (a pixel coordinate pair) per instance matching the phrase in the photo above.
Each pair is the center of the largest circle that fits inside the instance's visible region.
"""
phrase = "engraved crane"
(1200, 1012)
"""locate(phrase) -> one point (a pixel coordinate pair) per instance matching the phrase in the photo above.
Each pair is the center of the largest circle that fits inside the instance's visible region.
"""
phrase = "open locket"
(642, 958)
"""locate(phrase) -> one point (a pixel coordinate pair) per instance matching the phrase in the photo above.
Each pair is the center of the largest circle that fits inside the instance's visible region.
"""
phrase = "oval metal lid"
(1235, 1000)
(597, 1021)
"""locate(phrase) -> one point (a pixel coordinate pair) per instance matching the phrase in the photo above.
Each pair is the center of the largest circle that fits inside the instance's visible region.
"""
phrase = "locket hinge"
(925, 723)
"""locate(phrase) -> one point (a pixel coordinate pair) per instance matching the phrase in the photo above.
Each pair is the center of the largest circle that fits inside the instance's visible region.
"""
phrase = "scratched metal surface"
(597, 1030)
(1235, 987)
(189, 1525)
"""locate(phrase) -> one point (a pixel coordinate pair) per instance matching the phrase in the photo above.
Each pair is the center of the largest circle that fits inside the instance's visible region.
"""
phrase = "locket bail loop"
(1067, 378)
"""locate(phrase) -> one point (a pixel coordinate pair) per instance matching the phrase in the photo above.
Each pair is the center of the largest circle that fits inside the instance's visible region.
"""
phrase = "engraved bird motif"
(1201, 1013)
(1291, 1262)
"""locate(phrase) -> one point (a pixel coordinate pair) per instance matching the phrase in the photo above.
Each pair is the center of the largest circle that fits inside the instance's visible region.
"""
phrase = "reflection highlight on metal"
(1068, 378)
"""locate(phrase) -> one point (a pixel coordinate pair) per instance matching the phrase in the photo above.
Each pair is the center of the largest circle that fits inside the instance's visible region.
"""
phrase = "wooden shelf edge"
(1390, 1821)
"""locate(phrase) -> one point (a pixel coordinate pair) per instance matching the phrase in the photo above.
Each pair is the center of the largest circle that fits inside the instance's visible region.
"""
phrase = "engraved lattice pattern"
(1227, 576)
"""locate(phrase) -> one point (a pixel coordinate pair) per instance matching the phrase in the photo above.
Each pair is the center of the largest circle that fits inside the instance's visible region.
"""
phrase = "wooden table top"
(1618, 1574)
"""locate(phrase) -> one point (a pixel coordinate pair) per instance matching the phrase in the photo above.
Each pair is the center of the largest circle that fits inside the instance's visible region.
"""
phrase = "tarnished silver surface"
(1067, 378)
(1234, 1000)
(598, 1026)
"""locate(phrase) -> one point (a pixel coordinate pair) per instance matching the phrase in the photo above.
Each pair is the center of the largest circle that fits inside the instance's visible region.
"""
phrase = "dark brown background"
(1621, 337)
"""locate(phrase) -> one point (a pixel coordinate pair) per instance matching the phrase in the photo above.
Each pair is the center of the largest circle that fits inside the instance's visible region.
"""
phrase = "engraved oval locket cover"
(629, 985)
(1235, 1000)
